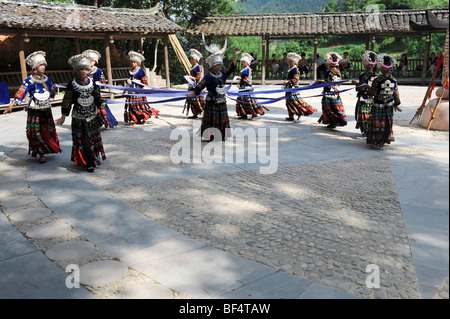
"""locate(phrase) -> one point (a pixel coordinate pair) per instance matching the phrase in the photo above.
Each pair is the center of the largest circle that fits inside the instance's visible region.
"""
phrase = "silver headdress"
(246, 57)
(333, 58)
(215, 59)
(216, 56)
(36, 59)
(135, 56)
(386, 62)
(214, 48)
(93, 55)
(80, 61)
(195, 54)
(293, 57)
(369, 58)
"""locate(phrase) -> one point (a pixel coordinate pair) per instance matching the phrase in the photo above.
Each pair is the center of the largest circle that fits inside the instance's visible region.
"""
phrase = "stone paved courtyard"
(333, 207)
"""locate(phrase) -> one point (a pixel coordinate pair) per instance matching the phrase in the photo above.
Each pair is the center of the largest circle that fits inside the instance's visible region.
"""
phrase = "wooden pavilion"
(373, 24)
(25, 19)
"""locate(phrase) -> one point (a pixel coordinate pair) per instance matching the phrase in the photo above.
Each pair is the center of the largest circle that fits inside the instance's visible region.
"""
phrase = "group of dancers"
(377, 99)
(377, 93)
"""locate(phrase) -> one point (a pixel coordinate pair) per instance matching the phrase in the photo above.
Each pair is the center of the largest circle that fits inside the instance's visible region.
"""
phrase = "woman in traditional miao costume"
(386, 99)
(97, 75)
(294, 103)
(215, 116)
(333, 112)
(247, 104)
(137, 110)
(41, 131)
(84, 95)
(196, 104)
(364, 103)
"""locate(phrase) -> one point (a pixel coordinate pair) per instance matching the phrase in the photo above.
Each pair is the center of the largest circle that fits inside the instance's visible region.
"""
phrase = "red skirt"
(41, 133)
(137, 110)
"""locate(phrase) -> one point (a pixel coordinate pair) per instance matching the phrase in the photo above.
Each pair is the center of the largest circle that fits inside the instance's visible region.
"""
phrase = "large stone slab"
(206, 273)
(29, 269)
(18, 201)
(146, 291)
(49, 230)
(13, 244)
(30, 214)
(103, 272)
(266, 283)
(70, 250)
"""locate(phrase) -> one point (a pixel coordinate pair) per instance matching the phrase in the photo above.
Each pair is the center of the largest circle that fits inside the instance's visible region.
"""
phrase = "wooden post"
(77, 45)
(141, 51)
(316, 42)
(263, 62)
(425, 58)
(108, 61)
(108, 64)
(269, 69)
(202, 51)
(166, 59)
(23, 66)
(372, 43)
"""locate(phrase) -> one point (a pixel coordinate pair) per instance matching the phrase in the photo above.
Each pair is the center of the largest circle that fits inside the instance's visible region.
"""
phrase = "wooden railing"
(414, 70)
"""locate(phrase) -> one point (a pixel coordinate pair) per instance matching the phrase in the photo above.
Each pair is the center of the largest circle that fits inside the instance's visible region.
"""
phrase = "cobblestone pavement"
(331, 209)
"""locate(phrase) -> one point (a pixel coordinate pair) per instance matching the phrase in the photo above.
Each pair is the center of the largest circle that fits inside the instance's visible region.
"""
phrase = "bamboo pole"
(433, 112)
(422, 106)
(179, 51)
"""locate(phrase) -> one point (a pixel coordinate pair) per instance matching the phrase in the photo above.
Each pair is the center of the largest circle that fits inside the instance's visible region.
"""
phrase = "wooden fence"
(414, 70)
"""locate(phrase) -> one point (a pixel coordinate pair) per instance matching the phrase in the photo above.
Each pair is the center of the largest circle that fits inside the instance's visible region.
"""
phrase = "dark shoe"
(243, 117)
(289, 119)
(331, 126)
(42, 159)
(193, 117)
(90, 169)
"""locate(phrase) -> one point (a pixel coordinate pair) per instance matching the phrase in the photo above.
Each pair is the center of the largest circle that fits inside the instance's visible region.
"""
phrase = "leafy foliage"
(280, 6)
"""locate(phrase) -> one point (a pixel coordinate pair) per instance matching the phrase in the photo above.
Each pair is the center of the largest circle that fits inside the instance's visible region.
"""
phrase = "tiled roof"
(48, 16)
(380, 22)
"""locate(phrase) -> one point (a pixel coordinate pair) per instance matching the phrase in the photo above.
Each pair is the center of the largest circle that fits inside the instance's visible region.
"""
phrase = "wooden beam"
(425, 58)
(166, 60)
(292, 37)
(23, 66)
(83, 35)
